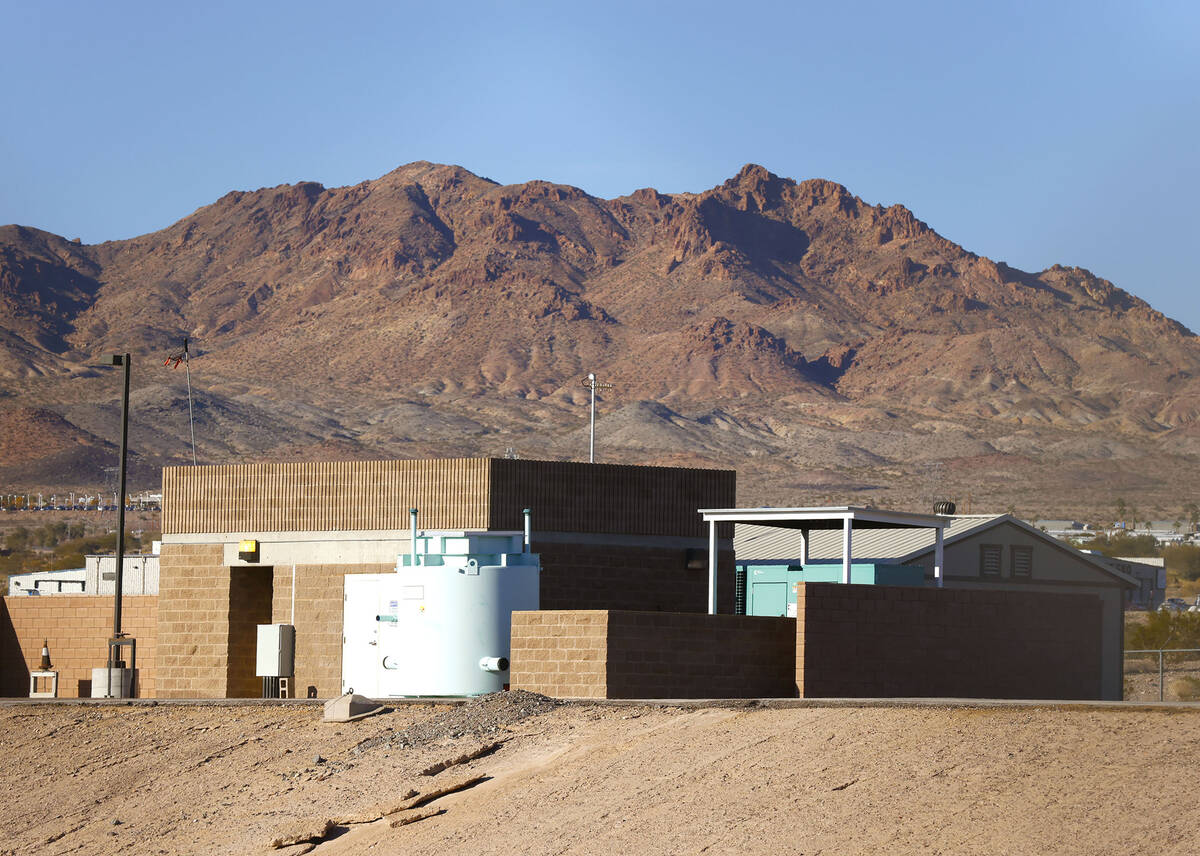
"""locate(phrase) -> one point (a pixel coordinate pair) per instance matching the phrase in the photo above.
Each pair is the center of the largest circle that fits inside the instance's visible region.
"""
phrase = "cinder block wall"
(625, 654)
(77, 629)
(891, 641)
(561, 653)
(588, 576)
(193, 622)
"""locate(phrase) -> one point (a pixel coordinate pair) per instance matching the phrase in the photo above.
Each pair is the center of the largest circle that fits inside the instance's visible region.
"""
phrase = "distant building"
(1151, 575)
(140, 576)
(98, 576)
(72, 581)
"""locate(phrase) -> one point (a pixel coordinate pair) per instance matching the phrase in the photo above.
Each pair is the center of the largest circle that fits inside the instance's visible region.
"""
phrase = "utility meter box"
(276, 651)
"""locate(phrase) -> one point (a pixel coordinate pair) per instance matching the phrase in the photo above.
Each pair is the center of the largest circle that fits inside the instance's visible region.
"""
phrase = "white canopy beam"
(847, 528)
(939, 575)
(712, 567)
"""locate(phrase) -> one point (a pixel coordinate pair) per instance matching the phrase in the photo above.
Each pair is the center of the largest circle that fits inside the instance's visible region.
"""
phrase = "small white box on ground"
(111, 683)
(276, 653)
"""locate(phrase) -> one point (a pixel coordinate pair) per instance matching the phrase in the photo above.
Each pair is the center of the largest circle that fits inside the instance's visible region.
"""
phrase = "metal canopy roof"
(826, 517)
(844, 517)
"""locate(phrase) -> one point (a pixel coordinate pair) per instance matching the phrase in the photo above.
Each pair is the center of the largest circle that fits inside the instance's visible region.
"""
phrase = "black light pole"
(114, 660)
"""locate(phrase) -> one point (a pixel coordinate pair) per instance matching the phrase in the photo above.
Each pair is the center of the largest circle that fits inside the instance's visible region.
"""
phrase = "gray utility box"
(276, 656)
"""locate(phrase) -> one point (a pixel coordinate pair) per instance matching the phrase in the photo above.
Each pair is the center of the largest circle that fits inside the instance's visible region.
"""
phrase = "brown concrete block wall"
(319, 611)
(559, 653)
(193, 616)
(688, 655)
(591, 576)
(623, 654)
(891, 641)
(619, 499)
(77, 629)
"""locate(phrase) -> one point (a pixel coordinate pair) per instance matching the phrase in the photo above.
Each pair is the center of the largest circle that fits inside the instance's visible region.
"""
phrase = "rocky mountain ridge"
(826, 347)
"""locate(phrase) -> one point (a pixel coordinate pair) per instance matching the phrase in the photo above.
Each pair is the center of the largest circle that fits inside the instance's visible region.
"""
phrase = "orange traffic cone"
(45, 656)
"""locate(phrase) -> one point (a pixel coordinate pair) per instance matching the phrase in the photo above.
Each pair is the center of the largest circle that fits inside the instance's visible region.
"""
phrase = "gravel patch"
(483, 716)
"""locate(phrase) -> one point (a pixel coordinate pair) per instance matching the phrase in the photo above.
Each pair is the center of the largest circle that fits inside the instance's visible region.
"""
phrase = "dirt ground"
(583, 778)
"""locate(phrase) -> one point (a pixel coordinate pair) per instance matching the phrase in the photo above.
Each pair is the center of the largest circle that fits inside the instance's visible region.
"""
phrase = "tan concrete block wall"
(892, 641)
(193, 622)
(325, 495)
(623, 654)
(560, 653)
(587, 576)
(319, 611)
(77, 629)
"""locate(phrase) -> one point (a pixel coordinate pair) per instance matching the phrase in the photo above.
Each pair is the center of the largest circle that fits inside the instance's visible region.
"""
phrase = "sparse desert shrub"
(1183, 559)
(1165, 629)
(1184, 689)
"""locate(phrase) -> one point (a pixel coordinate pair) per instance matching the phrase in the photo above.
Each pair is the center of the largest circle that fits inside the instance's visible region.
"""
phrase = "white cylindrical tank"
(437, 629)
(449, 619)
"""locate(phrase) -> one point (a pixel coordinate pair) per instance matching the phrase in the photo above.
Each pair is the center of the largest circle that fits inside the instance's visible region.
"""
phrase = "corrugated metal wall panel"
(326, 495)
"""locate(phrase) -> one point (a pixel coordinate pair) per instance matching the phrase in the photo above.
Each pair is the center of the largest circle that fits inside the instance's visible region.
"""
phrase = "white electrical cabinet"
(276, 652)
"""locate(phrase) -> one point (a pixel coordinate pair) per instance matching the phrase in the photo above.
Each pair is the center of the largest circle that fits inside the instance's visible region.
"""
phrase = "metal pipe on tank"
(412, 544)
(527, 528)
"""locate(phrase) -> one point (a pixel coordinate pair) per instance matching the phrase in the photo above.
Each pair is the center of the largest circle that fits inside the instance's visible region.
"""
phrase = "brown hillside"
(383, 317)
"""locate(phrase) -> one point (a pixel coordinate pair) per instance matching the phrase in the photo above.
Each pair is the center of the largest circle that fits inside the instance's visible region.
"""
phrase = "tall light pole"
(593, 384)
(114, 645)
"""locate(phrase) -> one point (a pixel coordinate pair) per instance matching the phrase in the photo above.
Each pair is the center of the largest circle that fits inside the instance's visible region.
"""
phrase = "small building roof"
(897, 545)
(826, 518)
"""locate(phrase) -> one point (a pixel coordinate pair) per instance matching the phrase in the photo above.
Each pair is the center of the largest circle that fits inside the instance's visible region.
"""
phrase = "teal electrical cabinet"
(770, 587)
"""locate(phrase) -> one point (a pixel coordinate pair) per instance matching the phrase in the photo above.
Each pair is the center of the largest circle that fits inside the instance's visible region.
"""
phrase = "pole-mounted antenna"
(182, 357)
(593, 384)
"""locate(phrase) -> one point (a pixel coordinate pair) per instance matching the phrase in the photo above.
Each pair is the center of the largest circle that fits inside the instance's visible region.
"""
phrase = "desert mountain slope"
(768, 324)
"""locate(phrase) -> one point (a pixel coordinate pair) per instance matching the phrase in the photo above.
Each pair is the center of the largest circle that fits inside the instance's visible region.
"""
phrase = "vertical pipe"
(526, 513)
(412, 543)
(293, 621)
(846, 525)
(1160, 675)
(592, 432)
(712, 567)
(938, 559)
(804, 546)
(112, 651)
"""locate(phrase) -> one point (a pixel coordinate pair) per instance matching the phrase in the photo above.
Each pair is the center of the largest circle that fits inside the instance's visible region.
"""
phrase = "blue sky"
(1032, 133)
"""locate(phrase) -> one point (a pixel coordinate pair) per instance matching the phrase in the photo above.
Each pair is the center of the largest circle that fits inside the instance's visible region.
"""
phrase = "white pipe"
(938, 574)
(293, 621)
(846, 527)
(803, 546)
(712, 567)
(412, 544)
(527, 528)
(592, 434)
